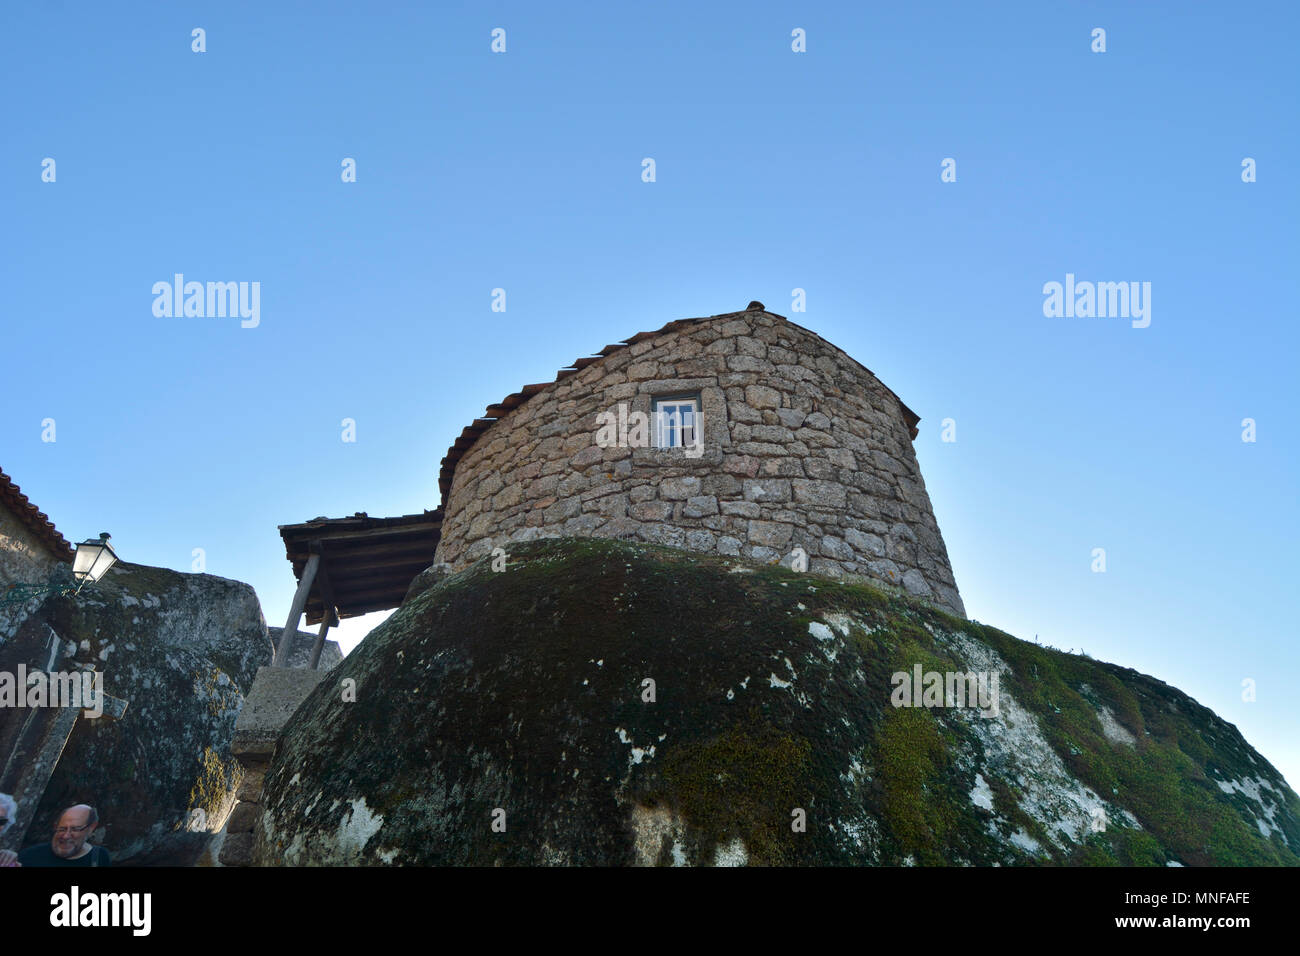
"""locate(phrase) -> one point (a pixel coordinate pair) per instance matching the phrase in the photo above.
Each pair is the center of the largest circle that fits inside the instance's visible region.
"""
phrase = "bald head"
(84, 808)
(74, 828)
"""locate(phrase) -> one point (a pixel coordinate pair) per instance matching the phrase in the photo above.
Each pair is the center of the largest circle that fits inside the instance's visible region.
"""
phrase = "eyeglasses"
(80, 829)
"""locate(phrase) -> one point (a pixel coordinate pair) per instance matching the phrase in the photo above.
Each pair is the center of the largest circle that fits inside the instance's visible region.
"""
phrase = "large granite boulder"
(182, 650)
(507, 718)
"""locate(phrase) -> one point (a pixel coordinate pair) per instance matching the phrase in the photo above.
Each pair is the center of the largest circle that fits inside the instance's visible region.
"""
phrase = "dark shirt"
(42, 855)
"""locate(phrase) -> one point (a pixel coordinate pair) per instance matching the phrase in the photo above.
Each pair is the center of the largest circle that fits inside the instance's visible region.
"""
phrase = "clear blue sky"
(775, 170)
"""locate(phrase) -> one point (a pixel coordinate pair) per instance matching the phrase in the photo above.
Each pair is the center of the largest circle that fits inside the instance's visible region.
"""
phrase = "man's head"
(73, 829)
(8, 811)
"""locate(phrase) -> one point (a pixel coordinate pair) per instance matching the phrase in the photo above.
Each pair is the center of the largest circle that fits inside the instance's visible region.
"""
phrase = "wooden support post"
(328, 617)
(295, 612)
(319, 644)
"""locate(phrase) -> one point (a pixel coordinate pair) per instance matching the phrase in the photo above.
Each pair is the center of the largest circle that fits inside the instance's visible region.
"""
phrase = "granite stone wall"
(803, 448)
(23, 555)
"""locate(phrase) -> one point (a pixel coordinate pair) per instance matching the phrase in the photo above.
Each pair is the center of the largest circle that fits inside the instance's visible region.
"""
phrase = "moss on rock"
(601, 702)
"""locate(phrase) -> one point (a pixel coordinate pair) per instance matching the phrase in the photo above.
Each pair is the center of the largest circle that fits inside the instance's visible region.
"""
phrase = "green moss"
(741, 783)
(1164, 778)
(910, 755)
(507, 689)
(212, 783)
(1140, 849)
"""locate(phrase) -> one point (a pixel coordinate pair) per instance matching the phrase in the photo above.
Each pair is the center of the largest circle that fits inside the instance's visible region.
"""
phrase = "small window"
(676, 422)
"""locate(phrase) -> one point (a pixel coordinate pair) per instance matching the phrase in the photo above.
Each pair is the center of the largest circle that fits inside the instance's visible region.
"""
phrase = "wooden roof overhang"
(366, 563)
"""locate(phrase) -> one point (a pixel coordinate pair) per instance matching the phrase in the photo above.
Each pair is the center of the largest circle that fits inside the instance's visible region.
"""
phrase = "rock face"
(181, 649)
(300, 653)
(601, 702)
(803, 448)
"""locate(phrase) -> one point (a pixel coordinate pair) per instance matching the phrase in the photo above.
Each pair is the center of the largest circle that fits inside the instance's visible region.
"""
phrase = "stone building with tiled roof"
(30, 546)
(742, 434)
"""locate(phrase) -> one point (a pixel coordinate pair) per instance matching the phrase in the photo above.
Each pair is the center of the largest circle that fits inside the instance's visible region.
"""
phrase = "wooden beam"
(362, 576)
(323, 586)
(361, 609)
(392, 596)
(411, 550)
(282, 652)
(319, 644)
(303, 543)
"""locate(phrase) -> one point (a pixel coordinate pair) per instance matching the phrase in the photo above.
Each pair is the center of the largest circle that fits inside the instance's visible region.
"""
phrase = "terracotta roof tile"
(11, 496)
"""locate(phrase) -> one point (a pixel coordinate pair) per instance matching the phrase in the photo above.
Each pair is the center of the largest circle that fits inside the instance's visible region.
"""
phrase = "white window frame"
(662, 423)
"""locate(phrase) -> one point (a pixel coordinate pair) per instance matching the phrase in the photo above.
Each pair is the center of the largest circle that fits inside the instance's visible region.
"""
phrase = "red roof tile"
(11, 497)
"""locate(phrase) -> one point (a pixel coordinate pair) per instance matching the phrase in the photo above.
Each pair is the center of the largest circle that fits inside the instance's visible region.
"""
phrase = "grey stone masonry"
(805, 456)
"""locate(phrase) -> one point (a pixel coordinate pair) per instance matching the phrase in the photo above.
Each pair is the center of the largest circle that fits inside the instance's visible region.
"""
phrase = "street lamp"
(91, 562)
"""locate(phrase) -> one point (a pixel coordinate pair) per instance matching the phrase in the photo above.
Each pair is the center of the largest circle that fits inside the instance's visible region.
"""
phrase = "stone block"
(670, 535)
(867, 544)
(822, 494)
(651, 510)
(700, 506)
(700, 540)
(237, 850)
(588, 456)
(250, 785)
(914, 582)
(842, 458)
(244, 817)
(720, 485)
(641, 493)
(770, 534)
(562, 509)
(740, 464)
(790, 417)
(677, 489)
(276, 693)
(761, 396)
(820, 468)
(767, 489)
(837, 548)
(783, 467)
(744, 509)
(817, 420)
(746, 363)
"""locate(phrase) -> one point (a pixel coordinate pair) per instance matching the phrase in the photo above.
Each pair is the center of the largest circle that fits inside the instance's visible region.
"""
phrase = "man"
(8, 813)
(69, 847)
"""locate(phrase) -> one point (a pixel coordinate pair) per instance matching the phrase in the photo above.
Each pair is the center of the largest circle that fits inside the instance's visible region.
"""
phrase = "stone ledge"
(250, 787)
(244, 817)
(276, 693)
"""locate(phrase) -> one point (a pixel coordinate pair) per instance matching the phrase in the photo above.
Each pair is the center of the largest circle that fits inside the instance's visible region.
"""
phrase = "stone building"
(30, 546)
(742, 434)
